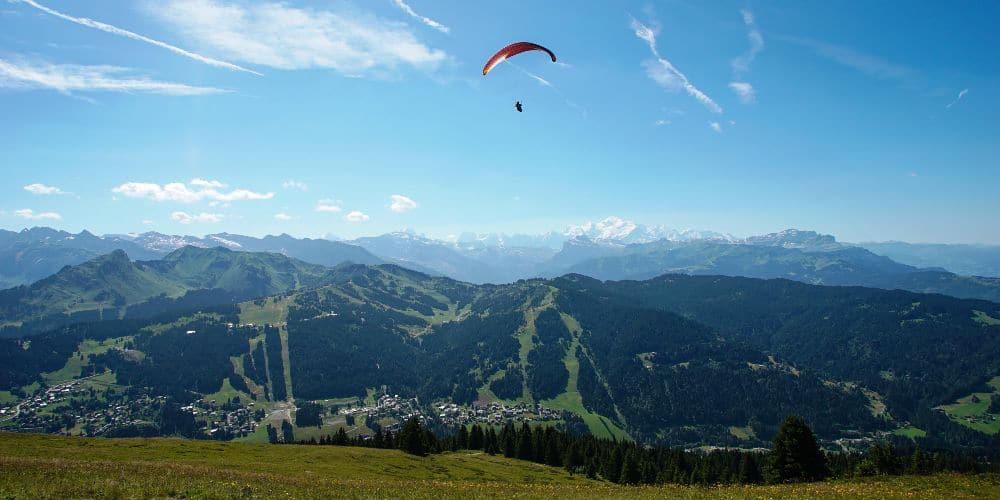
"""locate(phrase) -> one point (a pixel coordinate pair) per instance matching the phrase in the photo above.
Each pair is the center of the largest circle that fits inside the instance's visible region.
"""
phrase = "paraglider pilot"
(518, 107)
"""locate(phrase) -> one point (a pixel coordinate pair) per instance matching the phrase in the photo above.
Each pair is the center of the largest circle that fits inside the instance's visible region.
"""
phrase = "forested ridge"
(676, 360)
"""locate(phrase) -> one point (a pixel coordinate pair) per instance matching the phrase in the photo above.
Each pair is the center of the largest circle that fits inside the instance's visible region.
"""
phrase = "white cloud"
(426, 20)
(38, 188)
(742, 63)
(179, 192)
(961, 95)
(27, 213)
(401, 204)
(90, 23)
(206, 184)
(716, 126)
(147, 222)
(660, 123)
(186, 218)
(745, 91)
(67, 78)
(293, 184)
(282, 216)
(356, 216)
(328, 205)
(278, 35)
(664, 73)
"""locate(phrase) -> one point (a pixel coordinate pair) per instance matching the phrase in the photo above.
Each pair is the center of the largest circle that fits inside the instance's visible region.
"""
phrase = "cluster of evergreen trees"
(794, 457)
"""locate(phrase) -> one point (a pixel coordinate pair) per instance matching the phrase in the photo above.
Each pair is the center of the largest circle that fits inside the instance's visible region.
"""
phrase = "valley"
(676, 360)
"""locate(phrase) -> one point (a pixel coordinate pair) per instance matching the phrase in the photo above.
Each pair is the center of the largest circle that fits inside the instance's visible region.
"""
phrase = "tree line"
(795, 455)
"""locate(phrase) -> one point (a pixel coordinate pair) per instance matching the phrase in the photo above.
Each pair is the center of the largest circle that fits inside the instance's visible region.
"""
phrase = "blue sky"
(866, 120)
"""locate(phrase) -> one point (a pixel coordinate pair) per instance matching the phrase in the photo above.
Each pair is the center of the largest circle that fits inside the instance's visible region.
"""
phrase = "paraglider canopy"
(513, 50)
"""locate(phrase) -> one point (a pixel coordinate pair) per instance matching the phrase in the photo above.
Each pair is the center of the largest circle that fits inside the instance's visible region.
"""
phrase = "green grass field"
(910, 432)
(971, 411)
(41, 466)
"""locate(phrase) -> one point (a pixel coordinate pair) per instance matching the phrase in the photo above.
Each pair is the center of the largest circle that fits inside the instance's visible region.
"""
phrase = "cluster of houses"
(494, 413)
(227, 420)
(390, 411)
(29, 415)
(123, 414)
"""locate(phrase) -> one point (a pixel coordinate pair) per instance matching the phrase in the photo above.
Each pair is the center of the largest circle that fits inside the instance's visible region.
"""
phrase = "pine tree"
(918, 461)
(795, 455)
(880, 460)
(749, 470)
(524, 450)
(411, 438)
(462, 438)
(553, 454)
(476, 438)
(573, 457)
(611, 469)
(490, 444)
(341, 437)
(509, 440)
(287, 432)
(630, 468)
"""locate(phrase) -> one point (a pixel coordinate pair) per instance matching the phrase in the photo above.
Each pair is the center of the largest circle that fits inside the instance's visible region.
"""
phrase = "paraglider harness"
(518, 107)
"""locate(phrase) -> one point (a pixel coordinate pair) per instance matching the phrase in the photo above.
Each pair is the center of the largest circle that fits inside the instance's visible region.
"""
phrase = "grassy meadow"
(41, 466)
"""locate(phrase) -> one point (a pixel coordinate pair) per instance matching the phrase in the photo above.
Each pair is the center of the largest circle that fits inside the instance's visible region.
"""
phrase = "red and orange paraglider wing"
(513, 50)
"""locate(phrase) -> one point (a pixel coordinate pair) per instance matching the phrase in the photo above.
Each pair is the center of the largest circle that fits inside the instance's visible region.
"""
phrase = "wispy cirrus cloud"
(357, 216)
(401, 204)
(204, 217)
(961, 95)
(716, 126)
(278, 35)
(42, 189)
(283, 216)
(90, 23)
(741, 65)
(199, 190)
(27, 213)
(23, 74)
(426, 20)
(664, 73)
(868, 64)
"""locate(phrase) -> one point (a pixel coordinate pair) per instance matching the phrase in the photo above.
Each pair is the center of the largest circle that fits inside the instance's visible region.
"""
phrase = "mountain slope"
(677, 360)
(108, 285)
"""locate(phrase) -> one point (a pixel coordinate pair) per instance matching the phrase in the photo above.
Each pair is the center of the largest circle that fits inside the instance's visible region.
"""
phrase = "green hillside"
(678, 361)
(110, 286)
(36, 466)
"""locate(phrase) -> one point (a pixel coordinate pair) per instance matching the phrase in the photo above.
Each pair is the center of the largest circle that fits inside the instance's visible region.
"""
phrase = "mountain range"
(677, 359)
(608, 249)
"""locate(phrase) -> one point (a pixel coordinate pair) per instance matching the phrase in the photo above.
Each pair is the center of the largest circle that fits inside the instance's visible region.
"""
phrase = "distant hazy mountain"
(802, 256)
(973, 260)
(615, 229)
(425, 254)
(32, 254)
(612, 248)
(794, 238)
(107, 286)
